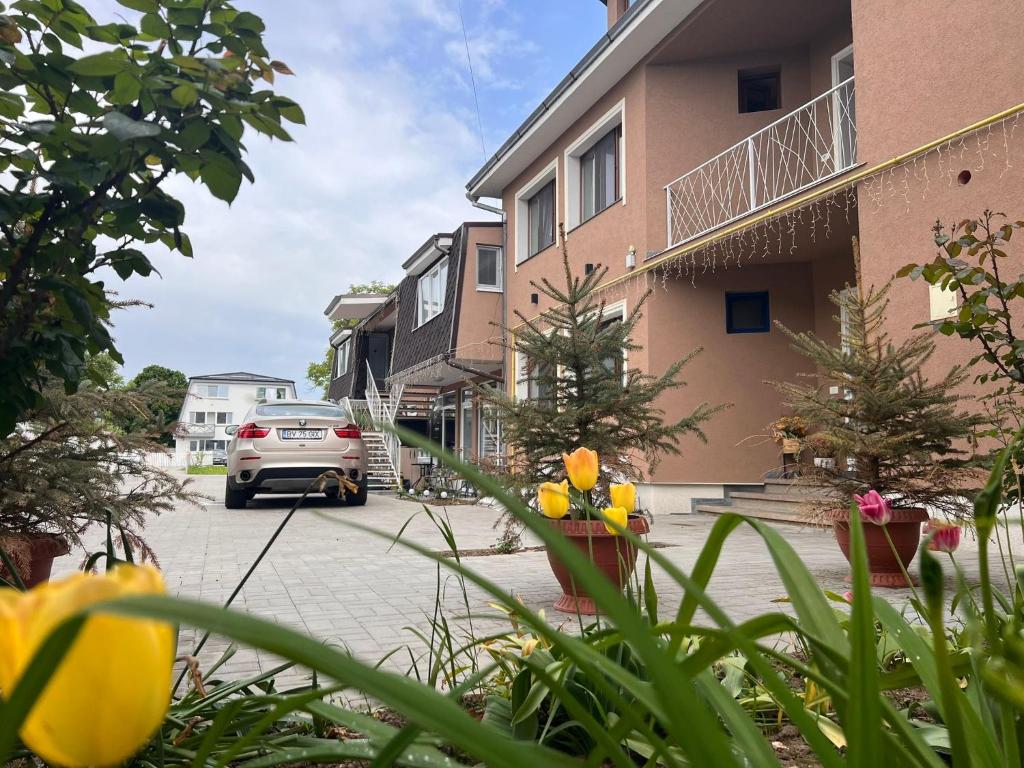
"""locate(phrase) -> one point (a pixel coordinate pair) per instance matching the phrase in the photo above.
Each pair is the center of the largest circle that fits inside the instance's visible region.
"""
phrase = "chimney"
(616, 8)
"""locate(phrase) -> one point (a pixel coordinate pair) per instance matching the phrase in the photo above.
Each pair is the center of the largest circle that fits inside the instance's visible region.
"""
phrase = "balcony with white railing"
(809, 145)
(196, 430)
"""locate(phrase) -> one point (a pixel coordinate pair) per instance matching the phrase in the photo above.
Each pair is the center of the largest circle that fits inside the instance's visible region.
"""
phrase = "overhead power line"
(472, 80)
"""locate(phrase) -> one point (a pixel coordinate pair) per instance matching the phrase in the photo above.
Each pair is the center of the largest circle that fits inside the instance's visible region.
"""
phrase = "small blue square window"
(747, 312)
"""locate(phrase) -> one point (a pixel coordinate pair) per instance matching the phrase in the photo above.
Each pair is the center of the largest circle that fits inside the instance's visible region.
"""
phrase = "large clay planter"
(905, 530)
(41, 552)
(613, 555)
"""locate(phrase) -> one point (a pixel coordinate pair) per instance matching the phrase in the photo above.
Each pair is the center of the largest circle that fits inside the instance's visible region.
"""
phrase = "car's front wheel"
(234, 498)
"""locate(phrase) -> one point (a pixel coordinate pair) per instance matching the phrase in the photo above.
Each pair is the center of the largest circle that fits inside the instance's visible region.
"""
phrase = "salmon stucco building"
(724, 153)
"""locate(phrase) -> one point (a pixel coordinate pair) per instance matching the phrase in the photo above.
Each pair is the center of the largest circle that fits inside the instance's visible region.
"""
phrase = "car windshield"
(283, 409)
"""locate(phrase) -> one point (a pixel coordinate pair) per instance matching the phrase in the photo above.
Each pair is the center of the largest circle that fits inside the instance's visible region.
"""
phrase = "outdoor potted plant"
(787, 432)
(903, 439)
(74, 462)
(595, 531)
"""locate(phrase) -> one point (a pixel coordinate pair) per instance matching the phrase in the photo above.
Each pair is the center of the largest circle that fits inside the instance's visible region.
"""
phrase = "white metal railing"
(807, 146)
(382, 413)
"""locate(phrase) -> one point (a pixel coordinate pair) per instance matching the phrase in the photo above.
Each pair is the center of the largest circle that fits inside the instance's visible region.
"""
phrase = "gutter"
(474, 200)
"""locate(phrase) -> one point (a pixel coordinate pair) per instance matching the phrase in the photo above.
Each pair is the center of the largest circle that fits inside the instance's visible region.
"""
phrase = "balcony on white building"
(196, 430)
(808, 146)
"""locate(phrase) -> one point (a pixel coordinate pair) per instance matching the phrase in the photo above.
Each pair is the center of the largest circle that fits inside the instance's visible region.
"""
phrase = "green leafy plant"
(90, 138)
(651, 685)
(972, 264)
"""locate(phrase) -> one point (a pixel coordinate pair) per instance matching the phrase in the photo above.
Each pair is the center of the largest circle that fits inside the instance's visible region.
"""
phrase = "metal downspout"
(474, 200)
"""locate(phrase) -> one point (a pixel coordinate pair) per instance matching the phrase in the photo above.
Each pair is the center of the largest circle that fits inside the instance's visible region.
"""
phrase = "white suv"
(282, 445)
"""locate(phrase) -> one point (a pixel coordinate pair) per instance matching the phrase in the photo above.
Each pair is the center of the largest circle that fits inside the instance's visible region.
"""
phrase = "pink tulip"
(945, 537)
(848, 596)
(874, 508)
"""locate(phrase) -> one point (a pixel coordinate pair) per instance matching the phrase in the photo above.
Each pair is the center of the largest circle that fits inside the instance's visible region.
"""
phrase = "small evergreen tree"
(892, 429)
(582, 394)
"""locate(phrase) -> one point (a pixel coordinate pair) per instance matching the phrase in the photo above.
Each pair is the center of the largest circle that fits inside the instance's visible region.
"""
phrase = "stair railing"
(382, 412)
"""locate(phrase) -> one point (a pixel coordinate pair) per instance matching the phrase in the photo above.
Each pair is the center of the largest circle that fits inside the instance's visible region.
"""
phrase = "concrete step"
(758, 514)
(777, 502)
(782, 487)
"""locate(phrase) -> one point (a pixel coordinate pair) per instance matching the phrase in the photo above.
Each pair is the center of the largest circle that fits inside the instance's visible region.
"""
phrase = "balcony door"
(378, 354)
(844, 117)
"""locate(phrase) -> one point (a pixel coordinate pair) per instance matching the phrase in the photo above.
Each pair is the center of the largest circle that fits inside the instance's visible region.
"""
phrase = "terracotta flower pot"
(905, 530)
(613, 555)
(41, 552)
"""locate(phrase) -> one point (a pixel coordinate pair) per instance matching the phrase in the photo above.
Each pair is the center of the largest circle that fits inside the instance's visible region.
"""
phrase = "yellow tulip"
(111, 690)
(623, 495)
(554, 499)
(582, 467)
(617, 515)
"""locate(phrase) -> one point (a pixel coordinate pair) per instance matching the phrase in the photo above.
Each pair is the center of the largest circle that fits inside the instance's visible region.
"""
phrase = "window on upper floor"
(488, 268)
(430, 291)
(210, 417)
(599, 174)
(212, 390)
(271, 393)
(747, 312)
(759, 89)
(943, 303)
(535, 214)
(595, 168)
(341, 354)
(541, 212)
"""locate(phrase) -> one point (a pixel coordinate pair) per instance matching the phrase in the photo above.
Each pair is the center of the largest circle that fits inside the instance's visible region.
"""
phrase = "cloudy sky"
(391, 138)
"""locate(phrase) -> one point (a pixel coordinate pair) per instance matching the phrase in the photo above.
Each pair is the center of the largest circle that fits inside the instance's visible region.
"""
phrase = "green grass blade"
(863, 718)
(425, 706)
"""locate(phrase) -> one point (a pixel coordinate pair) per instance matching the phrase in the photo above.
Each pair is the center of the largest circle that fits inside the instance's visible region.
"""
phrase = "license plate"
(301, 434)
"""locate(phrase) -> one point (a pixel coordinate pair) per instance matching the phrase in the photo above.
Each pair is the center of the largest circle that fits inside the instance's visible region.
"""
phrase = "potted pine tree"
(893, 431)
(574, 391)
(69, 466)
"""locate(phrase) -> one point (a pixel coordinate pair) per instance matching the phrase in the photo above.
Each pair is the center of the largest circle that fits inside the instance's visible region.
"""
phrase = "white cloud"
(380, 166)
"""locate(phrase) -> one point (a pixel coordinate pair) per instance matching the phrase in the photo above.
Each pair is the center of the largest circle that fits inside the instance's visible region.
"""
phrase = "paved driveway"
(347, 586)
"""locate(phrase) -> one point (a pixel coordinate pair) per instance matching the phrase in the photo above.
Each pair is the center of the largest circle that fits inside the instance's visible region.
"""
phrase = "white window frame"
(499, 270)
(943, 303)
(609, 312)
(613, 118)
(522, 209)
(432, 286)
(341, 357)
(220, 391)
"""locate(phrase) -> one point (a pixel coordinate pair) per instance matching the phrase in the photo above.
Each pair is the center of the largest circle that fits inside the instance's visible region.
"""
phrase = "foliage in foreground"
(67, 467)
(650, 683)
(96, 117)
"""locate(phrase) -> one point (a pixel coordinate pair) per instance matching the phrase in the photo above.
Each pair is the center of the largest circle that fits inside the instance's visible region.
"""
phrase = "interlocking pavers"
(347, 587)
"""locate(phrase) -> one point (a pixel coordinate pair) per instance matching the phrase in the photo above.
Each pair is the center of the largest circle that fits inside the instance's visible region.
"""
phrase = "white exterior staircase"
(381, 474)
(383, 449)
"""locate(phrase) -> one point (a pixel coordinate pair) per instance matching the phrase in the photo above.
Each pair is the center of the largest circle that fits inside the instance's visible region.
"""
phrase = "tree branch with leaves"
(86, 144)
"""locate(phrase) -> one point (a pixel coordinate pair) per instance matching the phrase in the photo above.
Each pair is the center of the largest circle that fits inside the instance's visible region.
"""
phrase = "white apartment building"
(214, 402)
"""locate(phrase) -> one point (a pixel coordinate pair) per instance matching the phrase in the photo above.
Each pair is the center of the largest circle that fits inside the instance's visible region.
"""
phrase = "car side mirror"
(230, 429)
